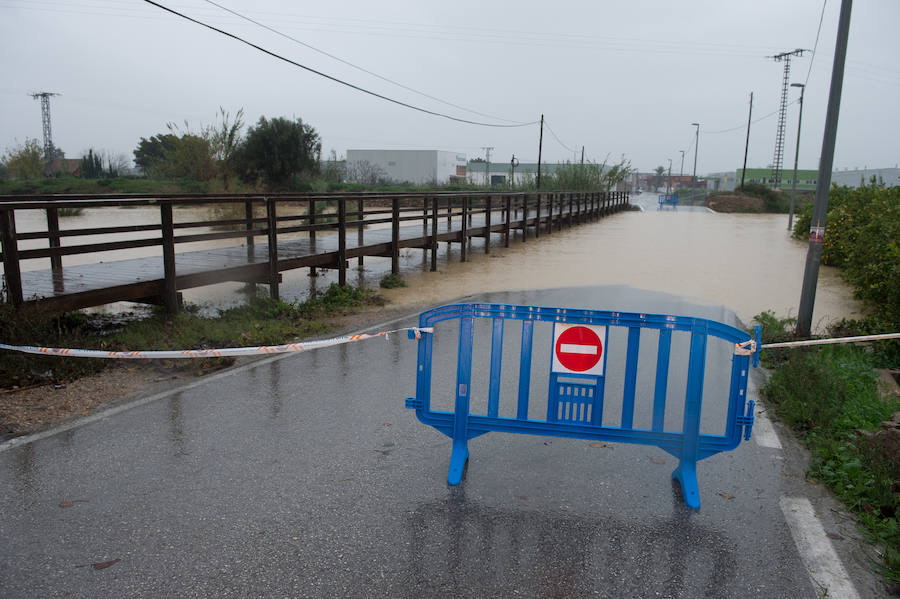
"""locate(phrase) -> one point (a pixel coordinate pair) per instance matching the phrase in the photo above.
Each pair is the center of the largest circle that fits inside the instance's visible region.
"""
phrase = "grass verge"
(830, 397)
(262, 321)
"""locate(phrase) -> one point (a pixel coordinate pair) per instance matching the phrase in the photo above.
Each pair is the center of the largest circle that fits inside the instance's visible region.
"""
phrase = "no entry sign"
(578, 349)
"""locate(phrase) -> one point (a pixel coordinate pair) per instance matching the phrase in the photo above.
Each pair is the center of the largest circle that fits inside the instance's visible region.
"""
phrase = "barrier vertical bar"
(170, 292)
(524, 217)
(460, 452)
(342, 242)
(487, 224)
(434, 233)
(559, 221)
(525, 370)
(311, 213)
(570, 210)
(395, 236)
(550, 198)
(272, 230)
(686, 472)
(537, 219)
(248, 225)
(496, 362)
(506, 221)
(631, 367)
(11, 269)
(662, 378)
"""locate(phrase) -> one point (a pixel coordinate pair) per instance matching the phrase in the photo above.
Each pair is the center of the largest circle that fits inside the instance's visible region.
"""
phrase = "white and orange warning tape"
(225, 352)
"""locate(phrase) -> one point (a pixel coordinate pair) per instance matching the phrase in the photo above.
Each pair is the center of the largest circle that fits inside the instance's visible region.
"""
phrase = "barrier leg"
(686, 475)
(458, 458)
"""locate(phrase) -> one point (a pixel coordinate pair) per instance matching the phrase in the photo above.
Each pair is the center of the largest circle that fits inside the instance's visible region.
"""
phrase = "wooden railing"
(265, 216)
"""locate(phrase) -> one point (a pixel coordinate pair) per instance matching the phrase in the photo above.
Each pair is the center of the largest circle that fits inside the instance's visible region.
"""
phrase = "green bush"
(392, 282)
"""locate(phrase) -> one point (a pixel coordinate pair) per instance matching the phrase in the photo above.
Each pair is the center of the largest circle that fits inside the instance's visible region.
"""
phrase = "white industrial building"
(419, 167)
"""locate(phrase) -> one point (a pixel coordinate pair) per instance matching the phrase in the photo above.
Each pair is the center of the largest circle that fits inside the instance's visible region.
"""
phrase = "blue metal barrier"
(577, 383)
(668, 198)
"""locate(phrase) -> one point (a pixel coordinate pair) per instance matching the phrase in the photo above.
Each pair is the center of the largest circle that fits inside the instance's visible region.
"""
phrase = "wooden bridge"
(349, 226)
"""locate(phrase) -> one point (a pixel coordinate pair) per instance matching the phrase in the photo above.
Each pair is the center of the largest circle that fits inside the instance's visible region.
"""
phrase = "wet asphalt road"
(306, 477)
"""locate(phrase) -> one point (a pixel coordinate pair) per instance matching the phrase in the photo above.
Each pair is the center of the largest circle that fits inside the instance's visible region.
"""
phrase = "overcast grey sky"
(618, 78)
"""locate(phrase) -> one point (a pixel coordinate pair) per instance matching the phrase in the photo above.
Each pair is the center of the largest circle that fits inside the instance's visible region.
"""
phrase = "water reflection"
(459, 547)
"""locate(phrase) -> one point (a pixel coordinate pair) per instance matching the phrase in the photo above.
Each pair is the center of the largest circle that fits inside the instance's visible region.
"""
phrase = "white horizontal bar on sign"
(572, 348)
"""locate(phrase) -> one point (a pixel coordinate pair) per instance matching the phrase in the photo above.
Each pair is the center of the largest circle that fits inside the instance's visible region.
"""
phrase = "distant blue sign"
(670, 199)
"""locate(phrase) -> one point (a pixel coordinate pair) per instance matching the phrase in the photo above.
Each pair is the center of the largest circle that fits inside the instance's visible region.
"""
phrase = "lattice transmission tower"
(44, 97)
(784, 57)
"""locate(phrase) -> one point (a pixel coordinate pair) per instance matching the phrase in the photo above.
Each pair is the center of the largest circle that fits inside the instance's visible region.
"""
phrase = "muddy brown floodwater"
(747, 262)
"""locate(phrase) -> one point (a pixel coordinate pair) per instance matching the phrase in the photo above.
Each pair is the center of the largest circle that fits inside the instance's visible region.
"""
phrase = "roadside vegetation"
(756, 197)
(262, 321)
(830, 396)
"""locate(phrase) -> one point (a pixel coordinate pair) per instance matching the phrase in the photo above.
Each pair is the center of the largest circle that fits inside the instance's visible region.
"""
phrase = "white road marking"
(573, 348)
(763, 432)
(823, 565)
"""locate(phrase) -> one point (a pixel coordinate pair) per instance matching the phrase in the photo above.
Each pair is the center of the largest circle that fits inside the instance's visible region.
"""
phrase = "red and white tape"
(208, 353)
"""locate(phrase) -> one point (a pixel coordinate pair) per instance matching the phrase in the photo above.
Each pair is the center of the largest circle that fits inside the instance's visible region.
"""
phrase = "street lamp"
(669, 186)
(802, 87)
(696, 143)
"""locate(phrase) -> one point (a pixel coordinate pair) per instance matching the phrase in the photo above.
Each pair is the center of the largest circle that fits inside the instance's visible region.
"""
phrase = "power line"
(559, 141)
(329, 77)
(742, 126)
(357, 67)
(816, 45)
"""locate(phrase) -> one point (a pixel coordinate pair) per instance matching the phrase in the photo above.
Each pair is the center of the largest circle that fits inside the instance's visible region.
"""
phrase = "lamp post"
(669, 186)
(696, 143)
(802, 87)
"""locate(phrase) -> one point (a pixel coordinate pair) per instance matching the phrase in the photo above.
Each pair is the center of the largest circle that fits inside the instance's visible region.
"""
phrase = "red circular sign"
(578, 349)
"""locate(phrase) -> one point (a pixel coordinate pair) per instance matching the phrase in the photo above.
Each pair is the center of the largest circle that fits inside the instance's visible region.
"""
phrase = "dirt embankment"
(736, 203)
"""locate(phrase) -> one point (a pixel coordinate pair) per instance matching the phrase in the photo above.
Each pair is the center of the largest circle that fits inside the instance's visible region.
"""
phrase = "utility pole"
(696, 143)
(747, 143)
(826, 162)
(45, 120)
(681, 172)
(487, 166)
(669, 185)
(582, 155)
(784, 57)
(802, 87)
(540, 147)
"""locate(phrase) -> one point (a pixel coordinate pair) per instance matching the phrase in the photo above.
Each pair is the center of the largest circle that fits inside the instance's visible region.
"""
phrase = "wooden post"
(537, 219)
(53, 239)
(425, 245)
(506, 222)
(272, 231)
(559, 222)
(170, 290)
(395, 236)
(311, 221)
(11, 271)
(464, 229)
(360, 215)
(487, 224)
(342, 241)
(434, 233)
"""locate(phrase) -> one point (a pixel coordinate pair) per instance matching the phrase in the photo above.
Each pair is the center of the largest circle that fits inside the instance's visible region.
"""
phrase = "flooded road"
(747, 262)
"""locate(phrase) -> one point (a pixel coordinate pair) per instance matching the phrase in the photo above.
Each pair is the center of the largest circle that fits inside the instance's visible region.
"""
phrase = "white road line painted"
(823, 565)
(763, 432)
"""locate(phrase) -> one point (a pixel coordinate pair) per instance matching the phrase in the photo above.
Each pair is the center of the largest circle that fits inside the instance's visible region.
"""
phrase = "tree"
(225, 140)
(335, 169)
(150, 154)
(365, 173)
(660, 176)
(25, 161)
(277, 150)
(91, 165)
